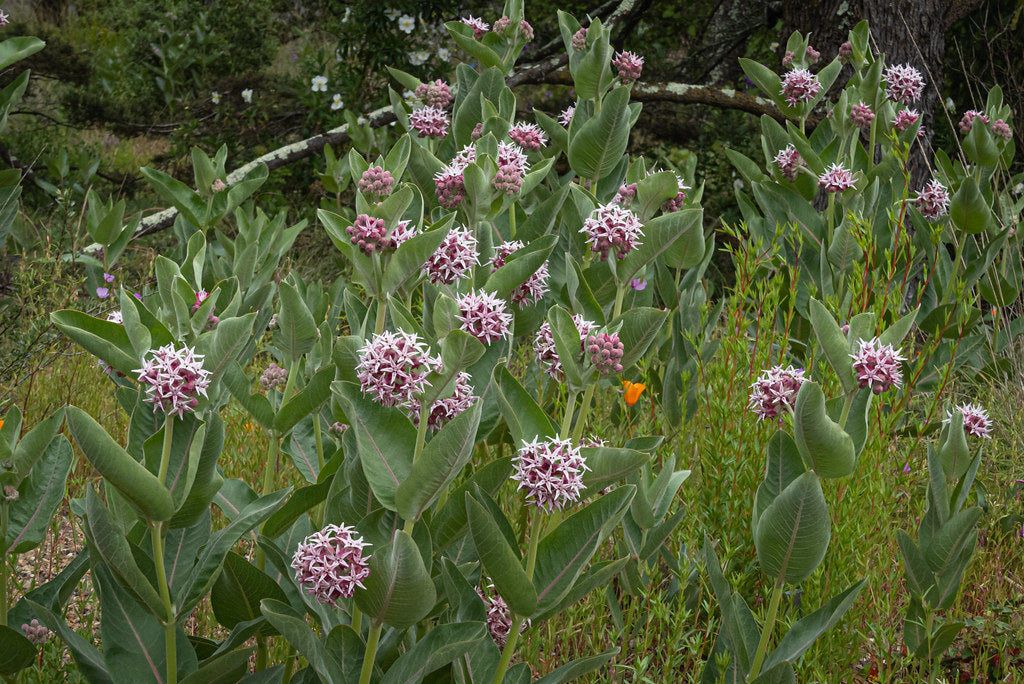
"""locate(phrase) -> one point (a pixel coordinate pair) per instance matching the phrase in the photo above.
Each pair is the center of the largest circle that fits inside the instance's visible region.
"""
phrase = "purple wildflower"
(535, 285)
(812, 55)
(453, 259)
(775, 391)
(429, 122)
(512, 167)
(861, 115)
(789, 161)
(479, 26)
(905, 118)
(626, 194)
(444, 410)
(629, 65)
(273, 377)
(845, 52)
(484, 316)
(436, 94)
(612, 227)
(330, 563)
(579, 40)
(933, 200)
(551, 472)
(799, 85)
(976, 420)
(968, 119)
(36, 633)
(174, 379)
(565, 117)
(836, 179)
(638, 284)
(605, 352)
(368, 234)
(1002, 129)
(376, 180)
(499, 617)
(528, 136)
(903, 83)
(547, 353)
(393, 368)
(876, 365)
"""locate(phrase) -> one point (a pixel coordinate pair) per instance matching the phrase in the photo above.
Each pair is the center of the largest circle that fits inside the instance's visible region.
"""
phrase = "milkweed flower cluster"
(174, 379)
(905, 118)
(449, 185)
(812, 55)
(1002, 129)
(629, 65)
(36, 633)
(551, 472)
(330, 564)
(274, 376)
(799, 85)
(775, 391)
(453, 258)
(368, 234)
(565, 117)
(967, 122)
(789, 162)
(861, 115)
(512, 166)
(429, 122)
(446, 409)
(606, 352)
(836, 179)
(534, 287)
(626, 194)
(436, 94)
(903, 83)
(479, 26)
(393, 368)
(612, 227)
(877, 365)
(544, 345)
(676, 203)
(484, 316)
(933, 200)
(499, 617)
(376, 181)
(845, 52)
(528, 136)
(579, 40)
(976, 420)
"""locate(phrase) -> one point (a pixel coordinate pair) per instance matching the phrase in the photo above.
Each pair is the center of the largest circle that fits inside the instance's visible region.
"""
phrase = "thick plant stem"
(3, 562)
(766, 633)
(584, 410)
(620, 294)
(268, 484)
(156, 533)
(319, 437)
(421, 439)
(382, 316)
(570, 407)
(847, 403)
(357, 618)
(536, 529)
(165, 454)
(371, 653)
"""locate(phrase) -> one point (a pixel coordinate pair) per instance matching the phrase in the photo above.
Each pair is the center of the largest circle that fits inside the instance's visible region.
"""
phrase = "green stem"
(831, 219)
(371, 652)
(261, 654)
(382, 310)
(871, 144)
(956, 267)
(165, 455)
(584, 410)
(156, 533)
(536, 531)
(289, 665)
(567, 418)
(268, 484)
(421, 439)
(512, 223)
(319, 437)
(847, 403)
(769, 625)
(3, 560)
(929, 621)
(357, 618)
(620, 294)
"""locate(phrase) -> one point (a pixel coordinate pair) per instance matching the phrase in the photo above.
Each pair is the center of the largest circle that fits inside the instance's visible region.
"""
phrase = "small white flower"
(738, 184)
(419, 57)
(392, 14)
(950, 106)
(319, 84)
(443, 54)
(336, 102)
(344, 19)
(406, 23)
(1018, 188)
(247, 95)
(774, 46)
(408, 95)
(215, 97)
(337, 55)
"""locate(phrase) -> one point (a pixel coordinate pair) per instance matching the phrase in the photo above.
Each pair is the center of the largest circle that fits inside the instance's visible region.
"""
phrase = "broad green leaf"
(807, 629)
(793, 533)
(227, 668)
(104, 339)
(88, 659)
(919, 576)
(296, 328)
(833, 342)
(40, 494)
(968, 209)
(784, 466)
(600, 143)
(33, 445)
(443, 458)
(227, 344)
(236, 594)
(386, 441)
(678, 236)
(399, 590)
(641, 326)
(442, 645)
(526, 420)
(500, 562)
(18, 48)
(563, 554)
(568, 343)
(304, 499)
(596, 576)
(185, 199)
(409, 258)
(519, 266)
(824, 445)
(257, 405)
(954, 452)
(292, 625)
(450, 523)
(608, 465)
(305, 401)
(16, 652)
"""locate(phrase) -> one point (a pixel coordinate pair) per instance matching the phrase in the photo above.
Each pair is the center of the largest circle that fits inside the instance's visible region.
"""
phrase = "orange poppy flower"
(633, 391)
